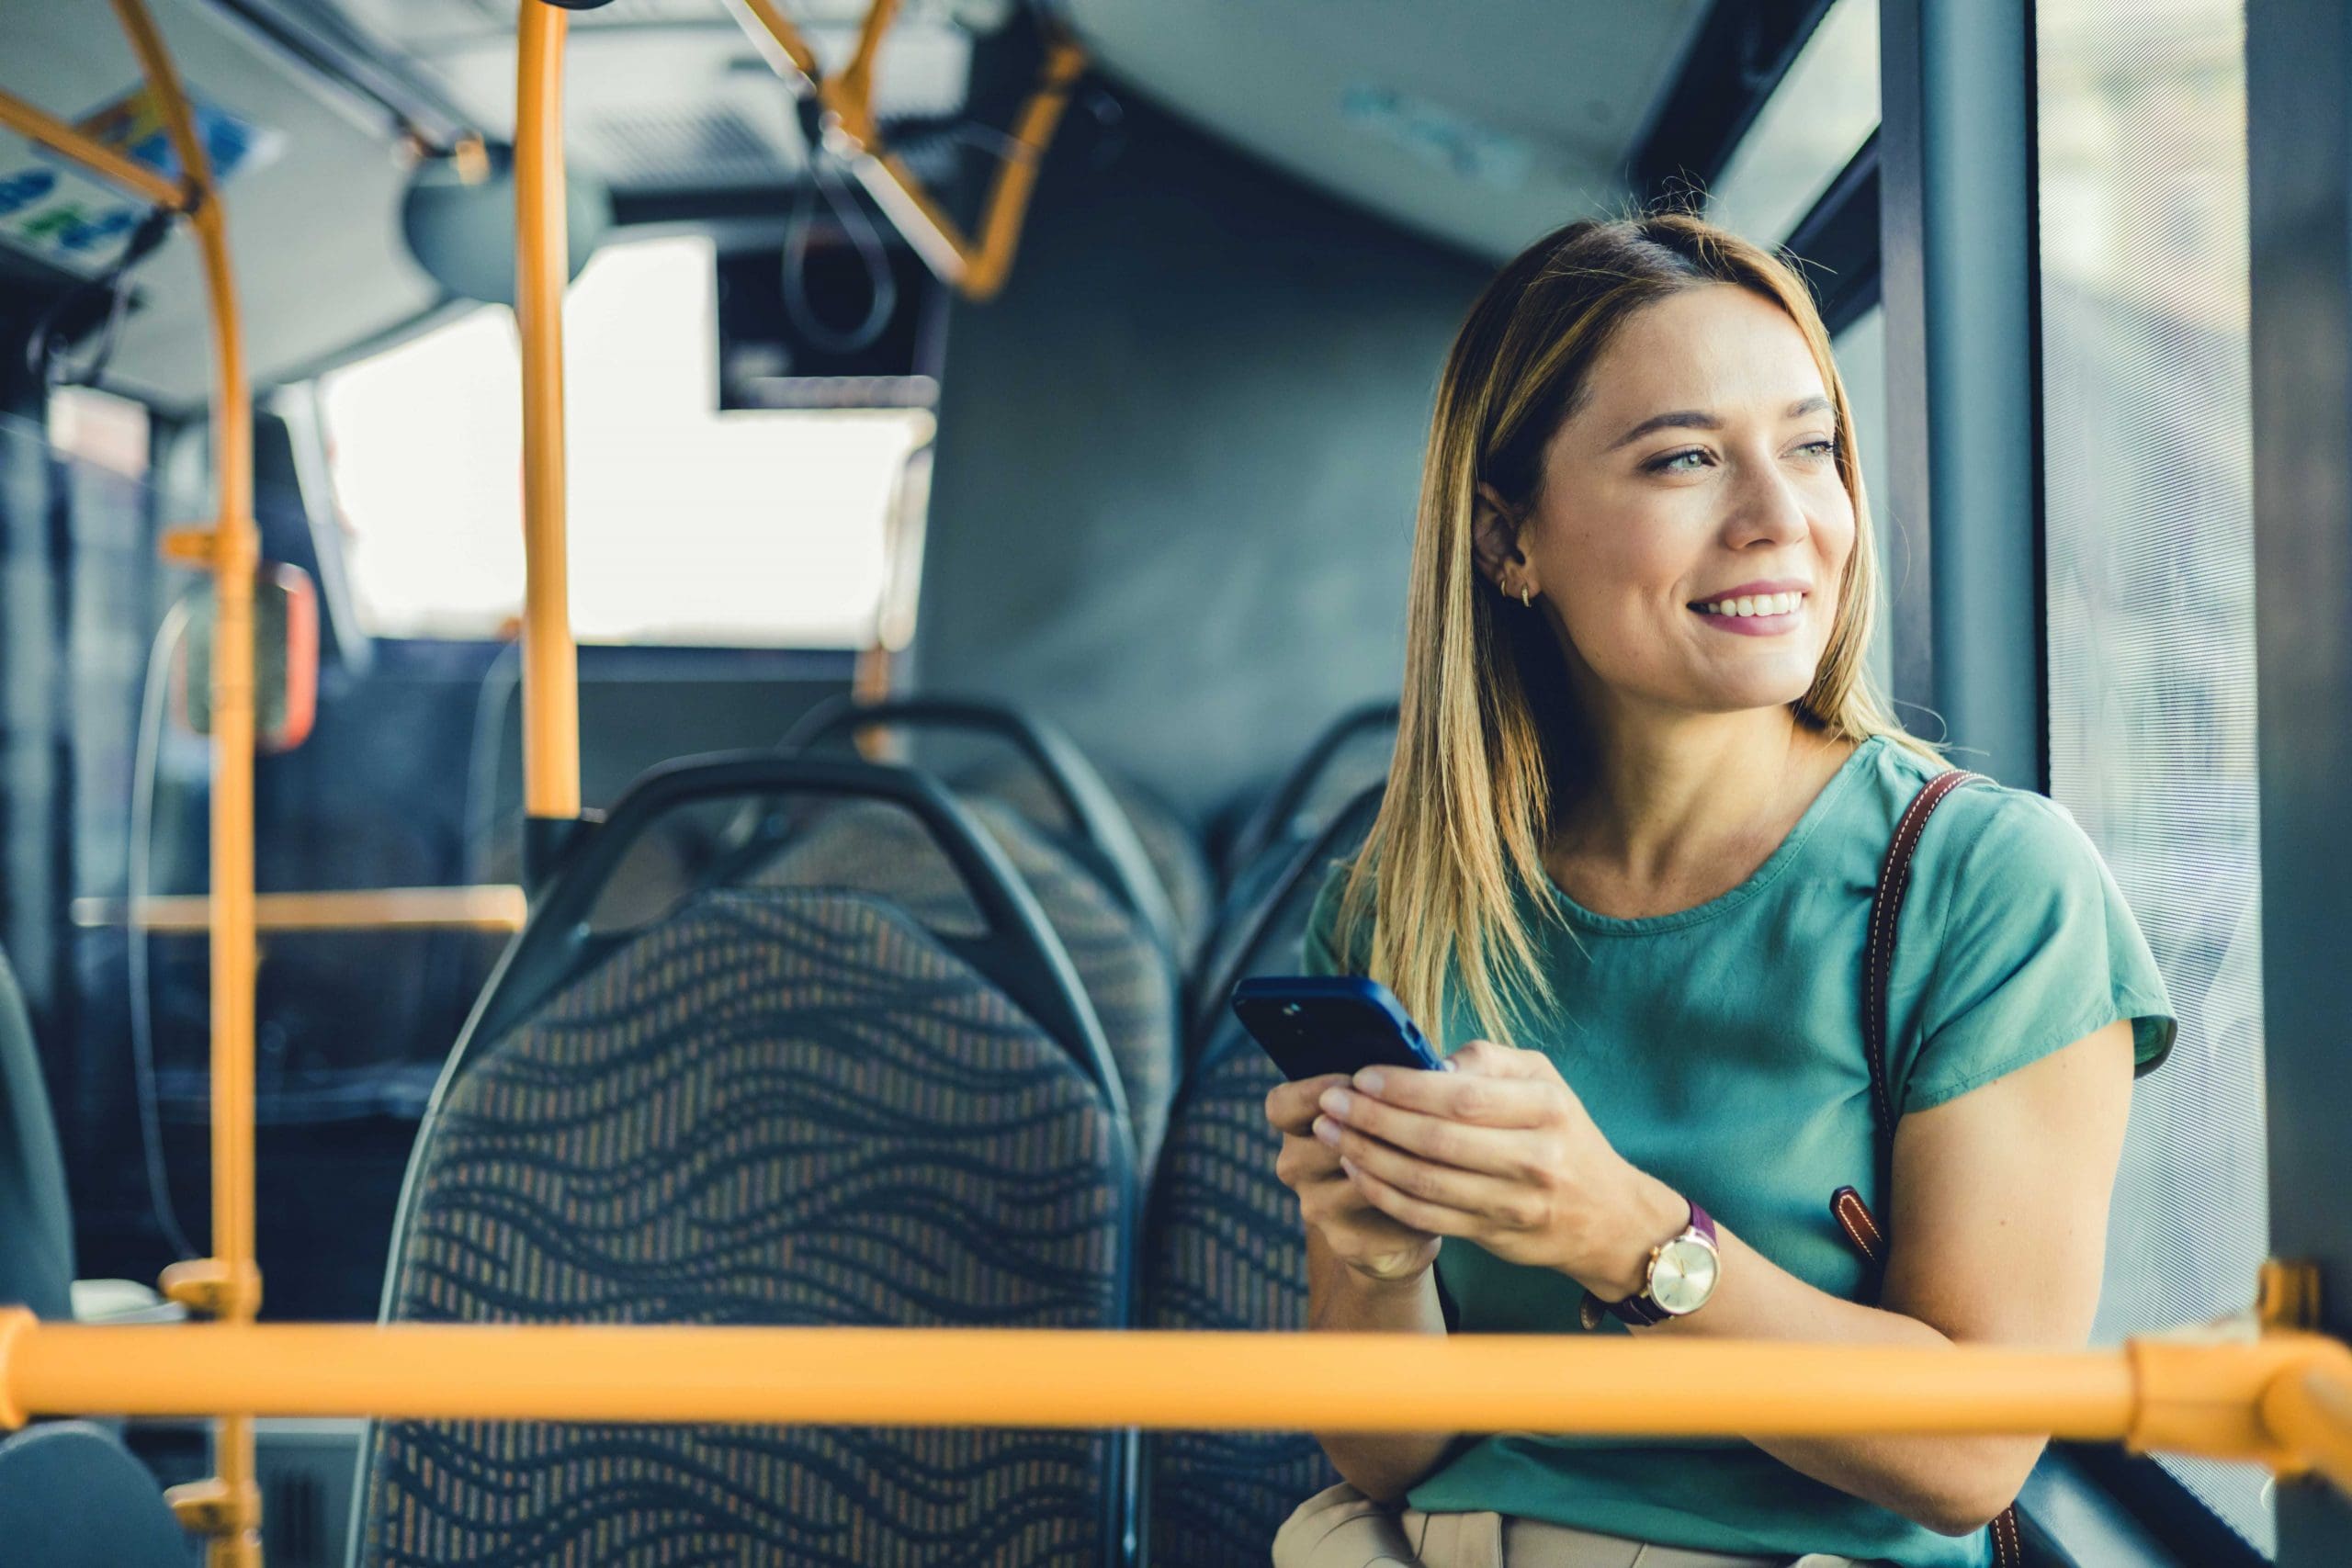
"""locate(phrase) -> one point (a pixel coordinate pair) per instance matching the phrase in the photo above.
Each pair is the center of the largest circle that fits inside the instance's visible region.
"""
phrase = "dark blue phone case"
(1316, 1024)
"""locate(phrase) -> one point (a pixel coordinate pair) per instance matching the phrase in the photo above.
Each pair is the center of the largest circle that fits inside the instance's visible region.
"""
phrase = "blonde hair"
(1489, 728)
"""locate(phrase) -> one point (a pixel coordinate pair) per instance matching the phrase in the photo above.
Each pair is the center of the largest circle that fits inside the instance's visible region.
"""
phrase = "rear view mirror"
(286, 660)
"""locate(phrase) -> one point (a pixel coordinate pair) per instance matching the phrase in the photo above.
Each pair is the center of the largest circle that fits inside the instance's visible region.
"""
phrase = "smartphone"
(1312, 1025)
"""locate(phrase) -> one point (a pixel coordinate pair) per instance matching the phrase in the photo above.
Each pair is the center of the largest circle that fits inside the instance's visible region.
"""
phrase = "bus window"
(2147, 435)
(688, 525)
(1815, 120)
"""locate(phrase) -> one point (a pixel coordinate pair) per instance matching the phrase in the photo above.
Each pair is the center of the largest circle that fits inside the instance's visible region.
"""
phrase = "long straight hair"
(1490, 734)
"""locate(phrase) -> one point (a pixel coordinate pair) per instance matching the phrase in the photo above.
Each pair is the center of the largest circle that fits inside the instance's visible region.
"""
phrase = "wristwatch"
(1681, 1278)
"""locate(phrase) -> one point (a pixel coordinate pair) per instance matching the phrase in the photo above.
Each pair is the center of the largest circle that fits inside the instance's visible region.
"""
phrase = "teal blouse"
(1720, 1048)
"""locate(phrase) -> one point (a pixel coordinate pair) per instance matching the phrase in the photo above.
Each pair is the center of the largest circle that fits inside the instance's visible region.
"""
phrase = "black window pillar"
(2299, 135)
(1956, 197)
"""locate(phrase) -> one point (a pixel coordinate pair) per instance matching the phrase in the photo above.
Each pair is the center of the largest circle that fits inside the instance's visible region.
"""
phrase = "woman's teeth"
(1756, 605)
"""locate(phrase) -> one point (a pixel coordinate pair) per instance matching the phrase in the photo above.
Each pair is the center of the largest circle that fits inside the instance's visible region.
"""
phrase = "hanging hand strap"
(1846, 1205)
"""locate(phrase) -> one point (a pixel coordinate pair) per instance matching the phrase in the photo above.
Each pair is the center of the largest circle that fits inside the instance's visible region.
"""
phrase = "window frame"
(1960, 248)
(2299, 190)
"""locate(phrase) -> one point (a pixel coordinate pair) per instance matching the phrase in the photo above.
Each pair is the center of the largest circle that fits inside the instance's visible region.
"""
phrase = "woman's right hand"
(1360, 1236)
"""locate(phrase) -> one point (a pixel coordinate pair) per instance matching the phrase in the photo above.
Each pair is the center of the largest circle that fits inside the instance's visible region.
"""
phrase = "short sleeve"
(2036, 949)
(1322, 956)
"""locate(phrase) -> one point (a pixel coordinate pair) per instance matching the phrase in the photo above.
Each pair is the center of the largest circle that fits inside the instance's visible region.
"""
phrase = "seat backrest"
(874, 849)
(1352, 754)
(772, 1107)
(72, 1497)
(36, 1221)
(1171, 847)
(1224, 1250)
(765, 1106)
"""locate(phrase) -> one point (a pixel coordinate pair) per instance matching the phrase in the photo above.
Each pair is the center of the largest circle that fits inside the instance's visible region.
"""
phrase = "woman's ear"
(1494, 538)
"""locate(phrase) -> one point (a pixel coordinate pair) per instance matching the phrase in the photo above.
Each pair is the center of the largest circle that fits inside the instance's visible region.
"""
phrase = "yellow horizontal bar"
(55, 134)
(1040, 1378)
(489, 908)
(2312, 1413)
(2284, 1399)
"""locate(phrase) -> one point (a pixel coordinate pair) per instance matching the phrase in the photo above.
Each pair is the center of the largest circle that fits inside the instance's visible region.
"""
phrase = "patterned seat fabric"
(1224, 1246)
(1175, 853)
(877, 849)
(774, 1106)
(1224, 1251)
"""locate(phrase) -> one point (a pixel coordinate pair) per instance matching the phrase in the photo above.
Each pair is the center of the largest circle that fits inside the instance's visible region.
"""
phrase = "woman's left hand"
(1501, 1152)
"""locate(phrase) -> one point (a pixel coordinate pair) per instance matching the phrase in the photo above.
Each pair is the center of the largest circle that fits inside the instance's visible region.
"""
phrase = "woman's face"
(1698, 479)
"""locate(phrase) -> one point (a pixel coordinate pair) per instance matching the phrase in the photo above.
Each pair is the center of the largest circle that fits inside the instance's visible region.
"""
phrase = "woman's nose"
(1767, 506)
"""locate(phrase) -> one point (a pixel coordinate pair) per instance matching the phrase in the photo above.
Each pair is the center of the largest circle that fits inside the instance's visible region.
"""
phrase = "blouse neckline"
(1775, 866)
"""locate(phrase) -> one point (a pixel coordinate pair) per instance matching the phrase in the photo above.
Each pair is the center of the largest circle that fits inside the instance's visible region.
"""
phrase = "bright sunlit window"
(1814, 122)
(687, 526)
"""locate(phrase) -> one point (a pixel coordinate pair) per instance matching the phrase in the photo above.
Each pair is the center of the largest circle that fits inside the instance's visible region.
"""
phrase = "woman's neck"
(1681, 809)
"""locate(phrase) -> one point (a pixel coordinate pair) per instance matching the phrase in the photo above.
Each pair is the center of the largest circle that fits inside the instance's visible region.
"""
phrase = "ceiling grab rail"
(226, 1508)
(976, 269)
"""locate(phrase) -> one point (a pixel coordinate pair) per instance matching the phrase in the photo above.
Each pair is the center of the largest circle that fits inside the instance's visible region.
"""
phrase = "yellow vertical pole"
(228, 1284)
(550, 662)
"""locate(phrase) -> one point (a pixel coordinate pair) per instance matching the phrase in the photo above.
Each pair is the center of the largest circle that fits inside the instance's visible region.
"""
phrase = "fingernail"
(1446, 1066)
(1347, 1165)
(1370, 1079)
(1335, 1101)
(1328, 1130)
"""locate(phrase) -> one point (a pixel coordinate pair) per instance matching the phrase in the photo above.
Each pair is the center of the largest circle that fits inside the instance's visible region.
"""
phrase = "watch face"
(1684, 1275)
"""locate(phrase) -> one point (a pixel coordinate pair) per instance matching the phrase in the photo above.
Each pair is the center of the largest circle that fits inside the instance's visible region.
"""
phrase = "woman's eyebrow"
(1699, 419)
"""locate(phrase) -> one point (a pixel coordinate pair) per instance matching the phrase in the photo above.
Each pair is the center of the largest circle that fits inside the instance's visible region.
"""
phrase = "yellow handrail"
(491, 907)
(2279, 1399)
(550, 662)
(59, 136)
(227, 1284)
(976, 268)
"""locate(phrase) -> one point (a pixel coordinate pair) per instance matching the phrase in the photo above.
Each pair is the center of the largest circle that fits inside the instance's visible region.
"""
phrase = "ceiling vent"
(681, 149)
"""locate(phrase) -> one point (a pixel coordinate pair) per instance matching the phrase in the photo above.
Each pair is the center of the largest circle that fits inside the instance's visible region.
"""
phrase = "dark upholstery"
(773, 1107)
(1224, 1250)
(876, 848)
(1175, 853)
(35, 1224)
(72, 1497)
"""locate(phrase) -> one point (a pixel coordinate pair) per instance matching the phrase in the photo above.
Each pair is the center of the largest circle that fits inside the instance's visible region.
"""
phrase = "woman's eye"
(1682, 462)
(1824, 448)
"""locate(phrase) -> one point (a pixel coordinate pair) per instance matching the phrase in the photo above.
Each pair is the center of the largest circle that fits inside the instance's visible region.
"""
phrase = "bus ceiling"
(376, 111)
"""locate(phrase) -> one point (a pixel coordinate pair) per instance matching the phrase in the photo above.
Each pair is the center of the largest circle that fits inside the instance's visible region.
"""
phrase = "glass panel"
(687, 526)
(2147, 436)
(1861, 361)
(1814, 122)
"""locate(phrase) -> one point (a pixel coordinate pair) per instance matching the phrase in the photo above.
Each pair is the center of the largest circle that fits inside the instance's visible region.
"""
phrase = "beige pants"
(1341, 1527)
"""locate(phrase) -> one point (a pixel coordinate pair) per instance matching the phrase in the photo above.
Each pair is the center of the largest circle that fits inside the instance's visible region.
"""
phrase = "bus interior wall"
(1177, 457)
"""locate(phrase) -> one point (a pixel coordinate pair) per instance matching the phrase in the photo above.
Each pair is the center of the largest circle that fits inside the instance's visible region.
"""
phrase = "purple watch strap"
(1638, 1309)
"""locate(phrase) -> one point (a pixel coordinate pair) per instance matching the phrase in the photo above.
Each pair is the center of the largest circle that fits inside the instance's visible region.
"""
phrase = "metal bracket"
(2286, 1293)
(210, 1287)
(211, 1508)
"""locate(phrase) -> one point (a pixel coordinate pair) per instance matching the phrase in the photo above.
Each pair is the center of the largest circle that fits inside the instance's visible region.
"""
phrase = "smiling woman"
(1628, 875)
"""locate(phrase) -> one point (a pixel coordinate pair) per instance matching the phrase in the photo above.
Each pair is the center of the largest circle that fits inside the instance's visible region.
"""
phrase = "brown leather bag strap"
(1846, 1205)
(1878, 957)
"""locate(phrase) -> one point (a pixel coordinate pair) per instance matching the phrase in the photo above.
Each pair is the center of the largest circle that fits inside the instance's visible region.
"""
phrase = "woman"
(1642, 794)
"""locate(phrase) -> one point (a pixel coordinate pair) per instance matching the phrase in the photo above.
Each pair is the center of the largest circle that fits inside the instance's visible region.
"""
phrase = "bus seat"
(35, 1222)
(1175, 853)
(72, 1497)
(1043, 774)
(1125, 976)
(772, 1105)
(1224, 1251)
(1265, 915)
(1350, 756)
